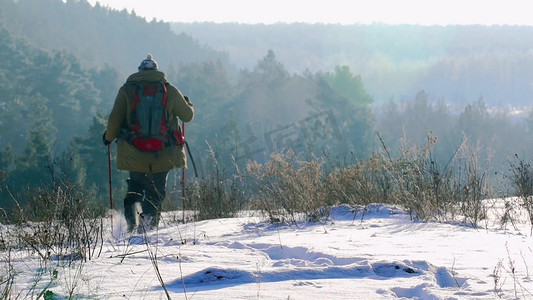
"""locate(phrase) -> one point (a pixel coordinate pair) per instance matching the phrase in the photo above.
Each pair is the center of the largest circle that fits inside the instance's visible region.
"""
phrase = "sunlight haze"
(511, 12)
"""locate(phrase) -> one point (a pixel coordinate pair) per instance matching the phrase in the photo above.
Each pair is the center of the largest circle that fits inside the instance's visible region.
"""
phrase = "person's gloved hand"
(106, 142)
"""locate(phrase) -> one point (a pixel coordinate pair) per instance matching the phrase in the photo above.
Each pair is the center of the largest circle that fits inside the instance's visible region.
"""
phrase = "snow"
(382, 254)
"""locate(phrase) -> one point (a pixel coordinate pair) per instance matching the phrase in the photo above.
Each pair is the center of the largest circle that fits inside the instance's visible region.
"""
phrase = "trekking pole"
(183, 198)
(192, 159)
(110, 183)
(183, 170)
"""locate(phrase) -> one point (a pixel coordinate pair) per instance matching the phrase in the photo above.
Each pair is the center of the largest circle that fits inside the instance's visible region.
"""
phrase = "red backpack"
(149, 128)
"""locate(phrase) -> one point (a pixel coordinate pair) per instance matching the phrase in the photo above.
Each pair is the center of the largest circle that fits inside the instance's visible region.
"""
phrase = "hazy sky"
(425, 12)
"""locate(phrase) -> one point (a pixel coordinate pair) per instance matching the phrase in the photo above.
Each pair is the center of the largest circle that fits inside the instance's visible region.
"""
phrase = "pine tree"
(89, 156)
(345, 95)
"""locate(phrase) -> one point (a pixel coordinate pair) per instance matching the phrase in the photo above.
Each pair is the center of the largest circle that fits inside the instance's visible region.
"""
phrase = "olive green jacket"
(130, 158)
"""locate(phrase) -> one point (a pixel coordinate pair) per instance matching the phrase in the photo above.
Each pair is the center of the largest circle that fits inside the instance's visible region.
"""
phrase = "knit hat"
(148, 64)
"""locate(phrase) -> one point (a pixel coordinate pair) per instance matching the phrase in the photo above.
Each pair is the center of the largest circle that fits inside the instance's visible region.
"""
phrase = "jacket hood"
(147, 75)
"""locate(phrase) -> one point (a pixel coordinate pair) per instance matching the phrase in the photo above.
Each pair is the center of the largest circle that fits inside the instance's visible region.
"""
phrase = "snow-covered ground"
(384, 255)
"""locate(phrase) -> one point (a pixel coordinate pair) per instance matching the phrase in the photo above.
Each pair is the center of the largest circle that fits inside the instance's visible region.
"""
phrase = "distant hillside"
(99, 35)
(459, 64)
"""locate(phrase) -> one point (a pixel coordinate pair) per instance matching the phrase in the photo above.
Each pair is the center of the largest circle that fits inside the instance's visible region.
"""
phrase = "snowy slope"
(384, 255)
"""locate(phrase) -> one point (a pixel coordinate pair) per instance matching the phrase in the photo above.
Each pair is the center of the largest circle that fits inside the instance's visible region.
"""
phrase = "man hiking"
(145, 120)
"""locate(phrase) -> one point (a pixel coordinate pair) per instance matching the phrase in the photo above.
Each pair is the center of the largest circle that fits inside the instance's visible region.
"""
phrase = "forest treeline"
(456, 63)
(64, 61)
(98, 35)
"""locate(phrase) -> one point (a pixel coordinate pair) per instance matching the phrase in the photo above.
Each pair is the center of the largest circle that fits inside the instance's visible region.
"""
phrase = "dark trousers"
(150, 191)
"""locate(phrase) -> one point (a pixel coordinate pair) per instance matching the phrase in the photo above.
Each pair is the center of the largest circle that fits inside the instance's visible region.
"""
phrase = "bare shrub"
(471, 183)
(59, 224)
(417, 181)
(497, 278)
(59, 221)
(7, 274)
(413, 180)
(217, 195)
(287, 188)
(442, 193)
(522, 179)
(511, 269)
(361, 184)
(422, 185)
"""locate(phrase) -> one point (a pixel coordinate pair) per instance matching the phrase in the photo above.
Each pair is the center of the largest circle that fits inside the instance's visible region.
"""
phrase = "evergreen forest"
(338, 93)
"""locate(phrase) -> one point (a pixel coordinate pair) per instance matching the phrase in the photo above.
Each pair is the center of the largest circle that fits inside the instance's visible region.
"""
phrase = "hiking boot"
(151, 212)
(134, 195)
(146, 223)
(130, 203)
